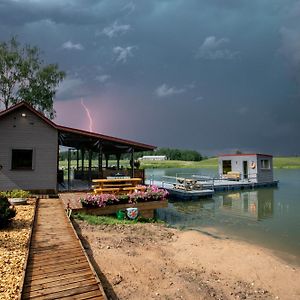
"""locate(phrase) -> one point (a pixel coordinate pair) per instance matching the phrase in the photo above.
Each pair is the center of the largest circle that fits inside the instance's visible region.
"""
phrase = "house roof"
(77, 138)
(247, 154)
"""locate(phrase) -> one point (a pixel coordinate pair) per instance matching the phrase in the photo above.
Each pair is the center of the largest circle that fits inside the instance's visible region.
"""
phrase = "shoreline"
(152, 261)
(281, 254)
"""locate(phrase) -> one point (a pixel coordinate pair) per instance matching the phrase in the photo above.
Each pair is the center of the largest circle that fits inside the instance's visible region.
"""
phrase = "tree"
(25, 77)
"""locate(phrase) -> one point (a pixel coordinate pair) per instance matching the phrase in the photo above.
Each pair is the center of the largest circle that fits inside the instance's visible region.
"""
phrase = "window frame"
(227, 163)
(14, 168)
(265, 164)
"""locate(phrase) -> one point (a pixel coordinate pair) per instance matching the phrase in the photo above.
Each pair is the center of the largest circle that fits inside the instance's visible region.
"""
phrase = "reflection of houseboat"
(258, 204)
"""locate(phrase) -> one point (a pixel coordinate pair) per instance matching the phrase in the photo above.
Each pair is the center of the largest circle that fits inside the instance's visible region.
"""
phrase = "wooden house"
(29, 149)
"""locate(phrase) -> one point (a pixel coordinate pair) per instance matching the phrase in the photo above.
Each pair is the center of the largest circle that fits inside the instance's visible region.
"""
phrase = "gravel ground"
(13, 246)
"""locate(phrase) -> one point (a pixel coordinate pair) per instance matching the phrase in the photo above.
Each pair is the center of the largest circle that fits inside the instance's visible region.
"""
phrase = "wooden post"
(100, 161)
(118, 156)
(77, 154)
(106, 160)
(132, 166)
(82, 163)
(90, 165)
(69, 169)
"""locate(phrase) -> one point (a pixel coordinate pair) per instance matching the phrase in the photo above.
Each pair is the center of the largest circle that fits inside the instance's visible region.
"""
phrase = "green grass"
(110, 220)
(207, 163)
(292, 162)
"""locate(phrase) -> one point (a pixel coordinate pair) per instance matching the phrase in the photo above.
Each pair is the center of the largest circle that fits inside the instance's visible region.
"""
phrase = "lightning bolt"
(88, 115)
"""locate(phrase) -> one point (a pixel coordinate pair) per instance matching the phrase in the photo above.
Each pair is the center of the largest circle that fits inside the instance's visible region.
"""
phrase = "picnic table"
(117, 185)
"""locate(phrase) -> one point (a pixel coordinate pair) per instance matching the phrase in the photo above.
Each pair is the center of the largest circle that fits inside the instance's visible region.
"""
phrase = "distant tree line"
(170, 153)
(175, 154)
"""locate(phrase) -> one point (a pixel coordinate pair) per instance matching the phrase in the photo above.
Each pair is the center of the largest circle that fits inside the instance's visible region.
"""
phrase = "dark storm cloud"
(205, 74)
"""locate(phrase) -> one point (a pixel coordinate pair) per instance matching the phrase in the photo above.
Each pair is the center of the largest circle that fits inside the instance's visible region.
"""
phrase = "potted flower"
(101, 200)
(17, 197)
(153, 193)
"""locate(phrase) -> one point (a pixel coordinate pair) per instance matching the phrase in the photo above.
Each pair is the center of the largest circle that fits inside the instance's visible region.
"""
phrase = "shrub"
(15, 194)
(6, 211)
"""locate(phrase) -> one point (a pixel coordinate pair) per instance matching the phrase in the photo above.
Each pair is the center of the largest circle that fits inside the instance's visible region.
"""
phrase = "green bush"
(6, 211)
(15, 194)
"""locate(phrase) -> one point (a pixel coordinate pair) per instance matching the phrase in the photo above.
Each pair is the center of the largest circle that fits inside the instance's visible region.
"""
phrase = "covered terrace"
(88, 156)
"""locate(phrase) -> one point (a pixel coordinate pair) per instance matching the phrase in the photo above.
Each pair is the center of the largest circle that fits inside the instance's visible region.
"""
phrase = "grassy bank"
(207, 163)
(291, 162)
(110, 220)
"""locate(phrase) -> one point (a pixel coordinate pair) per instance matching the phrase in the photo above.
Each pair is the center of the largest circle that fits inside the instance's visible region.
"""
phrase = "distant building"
(256, 168)
(153, 157)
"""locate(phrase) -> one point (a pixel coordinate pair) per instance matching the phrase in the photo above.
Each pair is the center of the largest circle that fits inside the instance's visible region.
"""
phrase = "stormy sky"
(209, 75)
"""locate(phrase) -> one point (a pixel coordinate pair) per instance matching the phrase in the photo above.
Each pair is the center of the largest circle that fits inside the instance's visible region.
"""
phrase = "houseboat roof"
(247, 154)
(73, 137)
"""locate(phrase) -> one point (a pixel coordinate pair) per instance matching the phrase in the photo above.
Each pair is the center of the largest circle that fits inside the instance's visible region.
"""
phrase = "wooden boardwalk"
(57, 266)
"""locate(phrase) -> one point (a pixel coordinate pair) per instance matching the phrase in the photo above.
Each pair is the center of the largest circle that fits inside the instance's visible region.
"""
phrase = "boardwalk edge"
(21, 286)
(87, 257)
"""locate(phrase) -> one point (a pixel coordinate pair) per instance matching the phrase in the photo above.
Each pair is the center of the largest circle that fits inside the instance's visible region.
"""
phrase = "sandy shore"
(150, 261)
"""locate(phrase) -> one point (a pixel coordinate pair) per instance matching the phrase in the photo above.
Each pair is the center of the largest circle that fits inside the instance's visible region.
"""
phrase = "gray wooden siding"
(17, 132)
(256, 174)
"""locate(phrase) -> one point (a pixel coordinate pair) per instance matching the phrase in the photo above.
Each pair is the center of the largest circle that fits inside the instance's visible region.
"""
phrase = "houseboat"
(235, 172)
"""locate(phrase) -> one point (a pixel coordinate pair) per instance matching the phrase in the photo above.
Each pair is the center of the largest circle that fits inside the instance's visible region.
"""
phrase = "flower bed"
(151, 193)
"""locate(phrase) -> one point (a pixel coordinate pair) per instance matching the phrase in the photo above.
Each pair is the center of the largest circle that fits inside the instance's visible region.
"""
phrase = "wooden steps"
(57, 266)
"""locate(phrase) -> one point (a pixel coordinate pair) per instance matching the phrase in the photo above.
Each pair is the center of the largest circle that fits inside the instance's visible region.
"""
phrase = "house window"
(265, 164)
(226, 166)
(21, 159)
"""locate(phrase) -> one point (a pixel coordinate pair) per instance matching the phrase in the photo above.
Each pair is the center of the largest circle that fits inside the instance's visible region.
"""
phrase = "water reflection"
(252, 205)
(257, 204)
(267, 216)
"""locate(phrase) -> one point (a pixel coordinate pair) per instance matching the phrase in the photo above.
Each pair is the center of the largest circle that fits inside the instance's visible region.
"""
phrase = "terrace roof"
(77, 138)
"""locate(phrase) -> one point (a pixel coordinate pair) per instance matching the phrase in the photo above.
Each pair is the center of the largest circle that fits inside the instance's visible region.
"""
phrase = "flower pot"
(17, 201)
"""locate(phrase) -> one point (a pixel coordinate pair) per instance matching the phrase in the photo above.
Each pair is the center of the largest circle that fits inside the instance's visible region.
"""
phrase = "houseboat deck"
(57, 265)
(209, 186)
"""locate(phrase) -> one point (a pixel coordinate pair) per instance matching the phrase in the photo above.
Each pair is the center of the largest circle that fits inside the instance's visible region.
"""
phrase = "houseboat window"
(21, 159)
(265, 164)
(226, 166)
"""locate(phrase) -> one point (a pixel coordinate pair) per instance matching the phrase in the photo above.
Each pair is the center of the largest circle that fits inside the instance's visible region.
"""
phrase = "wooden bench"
(106, 190)
(232, 175)
(116, 185)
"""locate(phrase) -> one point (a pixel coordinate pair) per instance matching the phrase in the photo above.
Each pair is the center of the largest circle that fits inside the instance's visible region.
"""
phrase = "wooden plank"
(59, 288)
(57, 260)
(83, 296)
(57, 267)
(54, 263)
(41, 281)
(56, 271)
(71, 292)
(117, 180)
(60, 281)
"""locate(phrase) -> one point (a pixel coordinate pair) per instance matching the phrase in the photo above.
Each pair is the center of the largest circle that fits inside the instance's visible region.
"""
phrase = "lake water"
(268, 217)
